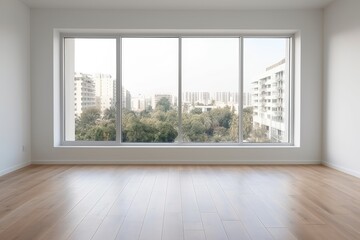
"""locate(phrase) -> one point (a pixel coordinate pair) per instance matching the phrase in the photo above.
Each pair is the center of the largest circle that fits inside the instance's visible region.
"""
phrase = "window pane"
(210, 96)
(150, 90)
(90, 89)
(266, 90)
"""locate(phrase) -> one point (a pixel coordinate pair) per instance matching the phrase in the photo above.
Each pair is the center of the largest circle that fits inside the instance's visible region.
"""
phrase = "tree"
(87, 120)
(234, 129)
(247, 122)
(221, 117)
(138, 131)
(196, 111)
(106, 131)
(91, 127)
(196, 127)
(166, 133)
(156, 126)
(163, 104)
(259, 135)
(110, 113)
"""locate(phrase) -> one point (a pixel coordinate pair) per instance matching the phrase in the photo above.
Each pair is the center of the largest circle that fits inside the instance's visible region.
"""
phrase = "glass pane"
(266, 90)
(150, 90)
(90, 89)
(210, 96)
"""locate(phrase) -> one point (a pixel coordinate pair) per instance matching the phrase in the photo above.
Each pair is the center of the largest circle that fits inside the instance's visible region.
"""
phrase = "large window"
(177, 90)
(210, 90)
(149, 90)
(89, 89)
(266, 85)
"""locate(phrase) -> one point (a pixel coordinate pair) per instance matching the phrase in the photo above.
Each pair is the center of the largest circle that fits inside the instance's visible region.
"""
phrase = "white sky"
(95, 56)
(150, 65)
(210, 65)
(260, 53)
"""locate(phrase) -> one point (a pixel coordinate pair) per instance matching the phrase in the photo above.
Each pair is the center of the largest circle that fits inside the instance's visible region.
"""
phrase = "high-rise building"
(196, 98)
(225, 98)
(247, 99)
(104, 91)
(138, 103)
(269, 100)
(126, 99)
(84, 93)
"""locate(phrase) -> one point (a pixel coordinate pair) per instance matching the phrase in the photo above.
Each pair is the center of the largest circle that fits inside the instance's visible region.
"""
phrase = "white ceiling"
(179, 4)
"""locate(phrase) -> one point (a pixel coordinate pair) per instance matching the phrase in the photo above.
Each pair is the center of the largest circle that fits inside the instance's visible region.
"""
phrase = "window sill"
(259, 146)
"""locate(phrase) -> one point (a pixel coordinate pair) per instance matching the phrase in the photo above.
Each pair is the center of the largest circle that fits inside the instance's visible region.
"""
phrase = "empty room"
(179, 119)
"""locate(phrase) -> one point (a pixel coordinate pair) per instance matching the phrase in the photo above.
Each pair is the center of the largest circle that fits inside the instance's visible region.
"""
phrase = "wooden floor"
(179, 202)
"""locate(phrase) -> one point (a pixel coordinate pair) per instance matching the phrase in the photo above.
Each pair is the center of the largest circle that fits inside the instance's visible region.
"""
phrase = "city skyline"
(99, 90)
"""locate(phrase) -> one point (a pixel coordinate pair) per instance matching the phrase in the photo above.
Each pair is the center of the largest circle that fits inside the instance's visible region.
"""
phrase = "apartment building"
(270, 111)
(84, 93)
(104, 91)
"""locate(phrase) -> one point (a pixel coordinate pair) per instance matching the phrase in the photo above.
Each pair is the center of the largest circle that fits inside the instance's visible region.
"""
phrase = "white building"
(225, 98)
(247, 99)
(270, 94)
(138, 103)
(104, 91)
(84, 93)
(126, 99)
(196, 97)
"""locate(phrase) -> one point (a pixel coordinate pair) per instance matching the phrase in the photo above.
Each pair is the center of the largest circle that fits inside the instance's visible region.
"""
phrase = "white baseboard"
(178, 162)
(14, 168)
(342, 169)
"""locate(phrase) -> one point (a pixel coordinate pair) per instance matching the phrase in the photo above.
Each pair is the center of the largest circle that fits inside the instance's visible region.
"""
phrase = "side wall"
(309, 23)
(342, 86)
(15, 85)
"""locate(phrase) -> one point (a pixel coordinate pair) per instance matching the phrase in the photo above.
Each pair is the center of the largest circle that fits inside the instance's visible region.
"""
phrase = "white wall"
(15, 85)
(342, 86)
(45, 100)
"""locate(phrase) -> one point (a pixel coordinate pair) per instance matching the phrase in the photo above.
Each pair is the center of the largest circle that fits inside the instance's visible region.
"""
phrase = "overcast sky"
(150, 65)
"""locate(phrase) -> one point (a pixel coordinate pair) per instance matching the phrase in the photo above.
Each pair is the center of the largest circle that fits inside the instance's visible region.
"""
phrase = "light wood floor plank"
(213, 226)
(190, 209)
(104, 202)
(235, 230)
(131, 227)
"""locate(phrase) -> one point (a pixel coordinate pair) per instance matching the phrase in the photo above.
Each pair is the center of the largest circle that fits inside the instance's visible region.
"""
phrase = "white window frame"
(118, 143)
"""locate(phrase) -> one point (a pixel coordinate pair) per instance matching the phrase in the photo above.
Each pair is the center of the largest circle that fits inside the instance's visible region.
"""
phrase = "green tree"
(221, 117)
(106, 131)
(247, 122)
(163, 104)
(196, 127)
(110, 113)
(91, 127)
(259, 135)
(196, 111)
(165, 132)
(234, 129)
(138, 131)
(83, 125)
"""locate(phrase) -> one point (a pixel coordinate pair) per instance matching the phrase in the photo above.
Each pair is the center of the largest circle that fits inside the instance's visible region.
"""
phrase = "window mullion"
(241, 87)
(118, 90)
(180, 91)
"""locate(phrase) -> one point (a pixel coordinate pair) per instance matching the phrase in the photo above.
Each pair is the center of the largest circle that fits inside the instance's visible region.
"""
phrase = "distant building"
(247, 99)
(196, 98)
(138, 103)
(227, 98)
(126, 99)
(269, 102)
(104, 91)
(84, 93)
